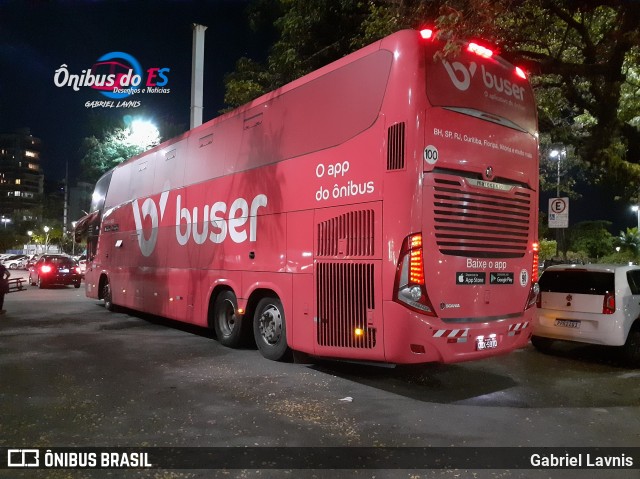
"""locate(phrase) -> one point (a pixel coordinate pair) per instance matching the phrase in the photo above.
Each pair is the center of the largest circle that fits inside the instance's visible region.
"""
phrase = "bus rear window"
(488, 85)
(577, 282)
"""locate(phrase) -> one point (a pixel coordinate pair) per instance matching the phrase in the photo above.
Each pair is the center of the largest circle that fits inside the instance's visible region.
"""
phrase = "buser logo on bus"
(188, 222)
(489, 79)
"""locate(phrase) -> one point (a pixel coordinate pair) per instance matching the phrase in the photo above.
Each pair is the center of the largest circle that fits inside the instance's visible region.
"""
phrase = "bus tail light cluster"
(410, 284)
(535, 270)
(535, 297)
(609, 303)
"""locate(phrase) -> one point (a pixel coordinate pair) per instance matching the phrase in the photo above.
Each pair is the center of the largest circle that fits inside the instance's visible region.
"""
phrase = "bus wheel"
(108, 299)
(269, 329)
(227, 325)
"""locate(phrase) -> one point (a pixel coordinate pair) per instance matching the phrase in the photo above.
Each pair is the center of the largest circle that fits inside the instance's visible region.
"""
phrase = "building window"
(18, 181)
(30, 154)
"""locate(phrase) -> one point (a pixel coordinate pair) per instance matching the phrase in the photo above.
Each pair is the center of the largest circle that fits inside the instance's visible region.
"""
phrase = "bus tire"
(108, 298)
(226, 323)
(270, 330)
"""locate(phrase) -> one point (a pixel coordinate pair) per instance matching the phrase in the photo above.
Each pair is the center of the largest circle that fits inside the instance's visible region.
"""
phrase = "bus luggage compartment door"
(348, 299)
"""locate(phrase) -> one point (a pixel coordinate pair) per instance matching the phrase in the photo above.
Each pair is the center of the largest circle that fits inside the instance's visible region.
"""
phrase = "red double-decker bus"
(382, 208)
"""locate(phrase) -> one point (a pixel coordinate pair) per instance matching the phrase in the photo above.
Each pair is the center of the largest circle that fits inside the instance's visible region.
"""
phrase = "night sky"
(38, 37)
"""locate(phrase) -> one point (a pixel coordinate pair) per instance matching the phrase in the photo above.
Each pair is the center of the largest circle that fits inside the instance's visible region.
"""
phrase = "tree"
(629, 240)
(592, 237)
(116, 146)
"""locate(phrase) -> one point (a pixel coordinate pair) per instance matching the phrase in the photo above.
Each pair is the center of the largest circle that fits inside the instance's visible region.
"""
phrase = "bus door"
(348, 271)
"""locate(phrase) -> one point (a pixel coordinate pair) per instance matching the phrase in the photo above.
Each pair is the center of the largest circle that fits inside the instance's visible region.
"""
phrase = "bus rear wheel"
(226, 323)
(269, 329)
(108, 298)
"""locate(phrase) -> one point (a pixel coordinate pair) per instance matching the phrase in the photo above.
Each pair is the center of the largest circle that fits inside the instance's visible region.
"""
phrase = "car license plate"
(483, 343)
(567, 323)
(64, 270)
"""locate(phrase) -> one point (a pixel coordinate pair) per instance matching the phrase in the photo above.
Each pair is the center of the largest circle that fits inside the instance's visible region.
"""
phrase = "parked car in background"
(16, 261)
(55, 269)
(82, 262)
(597, 304)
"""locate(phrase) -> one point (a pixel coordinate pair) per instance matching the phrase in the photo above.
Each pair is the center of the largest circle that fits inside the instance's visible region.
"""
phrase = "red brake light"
(45, 268)
(416, 265)
(480, 50)
(535, 270)
(410, 287)
(426, 33)
(520, 72)
(609, 304)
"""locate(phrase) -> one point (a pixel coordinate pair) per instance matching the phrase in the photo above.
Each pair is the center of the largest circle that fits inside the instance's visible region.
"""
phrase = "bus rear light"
(520, 72)
(426, 33)
(535, 270)
(480, 50)
(609, 304)
(410, 280)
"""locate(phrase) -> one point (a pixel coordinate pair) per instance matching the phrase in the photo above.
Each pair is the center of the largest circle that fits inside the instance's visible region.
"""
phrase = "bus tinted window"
(483, 84)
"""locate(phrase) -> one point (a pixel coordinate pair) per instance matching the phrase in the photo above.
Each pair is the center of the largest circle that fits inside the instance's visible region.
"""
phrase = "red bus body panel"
(310, 191)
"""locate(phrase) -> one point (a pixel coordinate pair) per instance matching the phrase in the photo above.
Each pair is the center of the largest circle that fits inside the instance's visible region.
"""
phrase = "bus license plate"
(567, 323)
(486, 343)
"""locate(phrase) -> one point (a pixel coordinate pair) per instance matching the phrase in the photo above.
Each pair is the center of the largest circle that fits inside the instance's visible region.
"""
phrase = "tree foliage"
(629, 240)
(582, 58)
(115, 146)
(593, 238)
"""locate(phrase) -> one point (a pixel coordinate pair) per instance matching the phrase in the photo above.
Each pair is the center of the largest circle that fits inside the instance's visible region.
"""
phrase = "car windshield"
(577, 282)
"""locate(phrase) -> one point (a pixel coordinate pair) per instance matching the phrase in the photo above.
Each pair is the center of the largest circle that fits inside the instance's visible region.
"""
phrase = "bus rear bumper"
(411, 338)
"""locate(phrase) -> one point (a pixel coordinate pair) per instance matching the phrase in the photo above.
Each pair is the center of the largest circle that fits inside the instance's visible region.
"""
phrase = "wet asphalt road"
(73, 374)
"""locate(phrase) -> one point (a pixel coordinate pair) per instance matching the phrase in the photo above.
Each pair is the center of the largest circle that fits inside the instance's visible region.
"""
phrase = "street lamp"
(143, 133)
(73, 238)
(30, 234)
(558, 154)
(636, 208)
(46, 240)
(5, 221)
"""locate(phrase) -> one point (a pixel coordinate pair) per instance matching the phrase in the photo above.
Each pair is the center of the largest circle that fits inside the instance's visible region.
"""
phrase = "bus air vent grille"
(345, 293)
(485, 224)
(347, 235)
(395, 147)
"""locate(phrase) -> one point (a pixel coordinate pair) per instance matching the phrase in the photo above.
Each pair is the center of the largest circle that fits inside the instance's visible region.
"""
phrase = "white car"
(15, 261)
(598, 304)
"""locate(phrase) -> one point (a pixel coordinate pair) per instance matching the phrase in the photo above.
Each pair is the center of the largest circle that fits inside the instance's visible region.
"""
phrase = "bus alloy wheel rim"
(271, 324)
